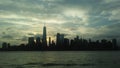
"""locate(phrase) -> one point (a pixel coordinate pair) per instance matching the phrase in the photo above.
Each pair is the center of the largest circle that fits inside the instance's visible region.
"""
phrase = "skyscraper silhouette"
(59, 39)
(49, 41)
(31, 42)
(44, 40)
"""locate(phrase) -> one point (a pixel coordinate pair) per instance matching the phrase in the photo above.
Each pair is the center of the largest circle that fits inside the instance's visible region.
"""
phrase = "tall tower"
(44, 40)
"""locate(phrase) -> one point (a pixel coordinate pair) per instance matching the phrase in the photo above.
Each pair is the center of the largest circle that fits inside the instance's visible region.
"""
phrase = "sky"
(96, 19)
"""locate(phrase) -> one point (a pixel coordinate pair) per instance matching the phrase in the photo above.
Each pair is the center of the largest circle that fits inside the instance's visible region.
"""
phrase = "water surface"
(60, 59)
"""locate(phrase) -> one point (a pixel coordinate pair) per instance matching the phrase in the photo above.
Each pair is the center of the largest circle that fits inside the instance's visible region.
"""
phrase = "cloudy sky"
(96, 19)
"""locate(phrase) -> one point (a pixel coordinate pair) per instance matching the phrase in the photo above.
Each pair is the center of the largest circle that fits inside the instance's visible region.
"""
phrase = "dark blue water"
(60, 59)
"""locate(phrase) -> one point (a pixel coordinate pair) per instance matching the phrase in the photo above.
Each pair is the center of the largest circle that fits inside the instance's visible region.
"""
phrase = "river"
(60, 59)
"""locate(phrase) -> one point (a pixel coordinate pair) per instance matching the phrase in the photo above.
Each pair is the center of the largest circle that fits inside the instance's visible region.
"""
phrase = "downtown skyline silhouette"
(61, 44)
(88, 19)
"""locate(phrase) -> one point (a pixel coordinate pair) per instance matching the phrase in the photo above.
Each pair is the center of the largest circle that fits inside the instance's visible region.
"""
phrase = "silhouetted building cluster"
(62, 44)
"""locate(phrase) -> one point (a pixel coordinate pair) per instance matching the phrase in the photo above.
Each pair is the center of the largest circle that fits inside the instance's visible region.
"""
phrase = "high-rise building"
(49, 41)
(59, 39)
(44, 40)
(31, 41)
(66, 42)
(38, 43)
(62, 39)
(114, 42)
(37, 39)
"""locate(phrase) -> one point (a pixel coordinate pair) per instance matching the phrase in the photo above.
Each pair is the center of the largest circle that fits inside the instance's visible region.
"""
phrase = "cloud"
(7, 36)
(115, 15)
(110, 1)
(20, 19)
(30, 33)
(24, 38)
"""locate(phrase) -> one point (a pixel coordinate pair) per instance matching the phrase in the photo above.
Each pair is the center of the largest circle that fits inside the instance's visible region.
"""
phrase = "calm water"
(56, 59)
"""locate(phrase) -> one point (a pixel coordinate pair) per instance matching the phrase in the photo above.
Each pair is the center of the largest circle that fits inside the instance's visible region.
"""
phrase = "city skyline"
(96, 19)
(61, 44)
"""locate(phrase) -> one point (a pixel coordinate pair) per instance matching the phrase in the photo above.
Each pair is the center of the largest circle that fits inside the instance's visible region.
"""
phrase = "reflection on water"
(60, 59)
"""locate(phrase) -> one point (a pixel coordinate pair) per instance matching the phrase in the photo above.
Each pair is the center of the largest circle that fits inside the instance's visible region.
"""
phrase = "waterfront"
(60, 59)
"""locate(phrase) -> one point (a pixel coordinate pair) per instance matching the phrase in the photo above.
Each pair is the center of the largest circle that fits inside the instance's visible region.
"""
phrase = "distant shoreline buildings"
(61, 44)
